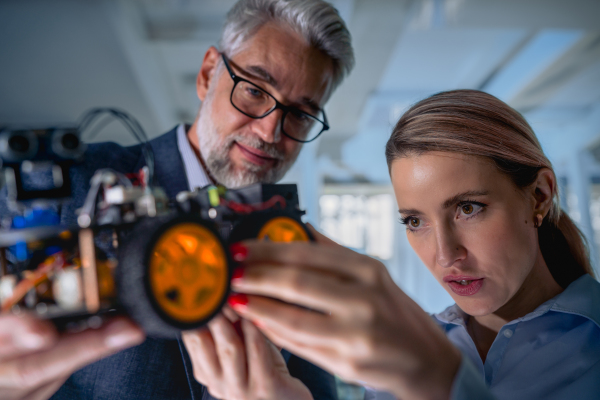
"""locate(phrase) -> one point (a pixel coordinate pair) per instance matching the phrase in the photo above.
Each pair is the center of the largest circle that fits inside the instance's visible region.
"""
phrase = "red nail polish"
(239, 252)
(237, 300)
(238, 273)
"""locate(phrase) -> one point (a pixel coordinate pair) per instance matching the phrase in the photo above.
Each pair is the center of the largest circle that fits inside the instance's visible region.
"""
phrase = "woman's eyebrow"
(463, 196)
(411, 211)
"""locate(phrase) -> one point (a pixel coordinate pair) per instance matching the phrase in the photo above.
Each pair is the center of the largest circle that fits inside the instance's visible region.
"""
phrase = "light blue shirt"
(550, 353)
(196, 176)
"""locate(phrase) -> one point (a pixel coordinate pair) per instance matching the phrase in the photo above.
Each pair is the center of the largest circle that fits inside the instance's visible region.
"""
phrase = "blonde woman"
(480, 203)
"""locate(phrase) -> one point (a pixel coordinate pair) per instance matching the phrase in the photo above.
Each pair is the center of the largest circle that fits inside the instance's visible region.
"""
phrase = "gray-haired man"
(262, 96)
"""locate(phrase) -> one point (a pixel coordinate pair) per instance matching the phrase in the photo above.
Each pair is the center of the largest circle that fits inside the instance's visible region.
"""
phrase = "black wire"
(141, 136)
(132, 125)
(99, 126)
(146, 150)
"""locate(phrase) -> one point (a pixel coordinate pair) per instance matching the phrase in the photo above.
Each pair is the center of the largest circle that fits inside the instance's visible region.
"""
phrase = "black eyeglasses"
(255, 102)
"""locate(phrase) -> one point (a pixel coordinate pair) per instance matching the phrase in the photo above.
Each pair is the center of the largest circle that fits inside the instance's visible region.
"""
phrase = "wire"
(132, 125)
(51, 264)
(241, 208)
(99, 126)
(88, 210)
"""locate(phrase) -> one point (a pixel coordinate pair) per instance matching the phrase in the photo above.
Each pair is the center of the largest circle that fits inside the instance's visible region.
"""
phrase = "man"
(262, 96)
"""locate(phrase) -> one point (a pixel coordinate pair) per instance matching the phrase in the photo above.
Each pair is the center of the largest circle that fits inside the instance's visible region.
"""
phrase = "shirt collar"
(582, 297)
(196, 176)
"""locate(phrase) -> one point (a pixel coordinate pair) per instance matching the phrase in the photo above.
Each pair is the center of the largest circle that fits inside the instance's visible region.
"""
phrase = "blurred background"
(62, 57)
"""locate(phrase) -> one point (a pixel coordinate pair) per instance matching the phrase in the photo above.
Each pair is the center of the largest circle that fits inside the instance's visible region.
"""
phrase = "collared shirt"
(550, 353)
(196, 176)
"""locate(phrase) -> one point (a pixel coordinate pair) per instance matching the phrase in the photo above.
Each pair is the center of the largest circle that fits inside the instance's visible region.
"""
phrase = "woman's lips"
(255, 156)
(464, 285)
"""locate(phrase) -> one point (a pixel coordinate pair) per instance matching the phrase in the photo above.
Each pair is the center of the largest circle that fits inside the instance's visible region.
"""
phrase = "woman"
(480, 203)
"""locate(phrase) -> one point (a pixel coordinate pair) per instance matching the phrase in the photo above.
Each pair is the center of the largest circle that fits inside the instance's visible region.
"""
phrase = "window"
(360, 216)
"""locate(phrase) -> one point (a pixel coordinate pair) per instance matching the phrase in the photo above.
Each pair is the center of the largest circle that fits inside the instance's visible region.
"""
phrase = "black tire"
(250, 226)
(134, 283)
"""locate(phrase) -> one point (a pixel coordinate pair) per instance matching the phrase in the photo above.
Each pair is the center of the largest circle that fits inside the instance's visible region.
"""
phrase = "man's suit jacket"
(158, 368)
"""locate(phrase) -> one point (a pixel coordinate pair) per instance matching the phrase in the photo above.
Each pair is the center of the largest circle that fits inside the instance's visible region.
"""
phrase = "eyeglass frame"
(278, 105)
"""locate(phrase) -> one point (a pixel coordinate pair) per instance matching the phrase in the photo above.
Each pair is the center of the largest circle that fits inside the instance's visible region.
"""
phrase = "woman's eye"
(470, 209)
(411, 222)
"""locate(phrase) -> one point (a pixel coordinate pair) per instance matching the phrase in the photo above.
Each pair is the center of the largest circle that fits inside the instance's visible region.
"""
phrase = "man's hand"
(240, 365)
(35, 360)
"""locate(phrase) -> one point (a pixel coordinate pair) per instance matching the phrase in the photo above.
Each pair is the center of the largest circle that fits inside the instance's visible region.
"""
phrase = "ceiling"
(541, 56)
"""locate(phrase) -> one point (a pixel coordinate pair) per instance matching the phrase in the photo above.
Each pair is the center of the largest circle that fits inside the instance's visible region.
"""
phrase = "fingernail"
(239, 252)
(258, 323)
(237, 275)
(237, 301)
(122, 334)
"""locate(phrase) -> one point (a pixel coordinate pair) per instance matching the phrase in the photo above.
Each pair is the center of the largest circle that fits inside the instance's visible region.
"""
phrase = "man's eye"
(253, 92)
(299, 115)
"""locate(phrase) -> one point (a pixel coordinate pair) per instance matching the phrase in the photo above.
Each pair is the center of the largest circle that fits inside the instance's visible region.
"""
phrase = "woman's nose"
(449, 248)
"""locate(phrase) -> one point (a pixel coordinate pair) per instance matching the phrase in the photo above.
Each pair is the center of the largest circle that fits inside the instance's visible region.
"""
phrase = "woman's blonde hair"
(475, 123)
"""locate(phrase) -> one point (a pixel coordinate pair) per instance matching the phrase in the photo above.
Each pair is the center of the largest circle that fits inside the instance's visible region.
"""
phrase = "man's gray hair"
(318, 22)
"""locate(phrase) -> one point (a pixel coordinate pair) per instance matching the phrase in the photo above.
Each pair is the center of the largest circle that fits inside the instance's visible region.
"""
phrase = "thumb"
(319, 237)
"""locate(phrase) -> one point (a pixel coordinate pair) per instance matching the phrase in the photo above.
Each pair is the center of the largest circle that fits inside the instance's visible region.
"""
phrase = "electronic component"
(164, 263)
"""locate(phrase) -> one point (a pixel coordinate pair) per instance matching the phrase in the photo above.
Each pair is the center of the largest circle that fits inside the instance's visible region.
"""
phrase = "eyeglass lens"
(255, 102)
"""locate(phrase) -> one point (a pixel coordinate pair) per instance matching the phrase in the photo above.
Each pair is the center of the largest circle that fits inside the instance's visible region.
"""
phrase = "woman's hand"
(355, 321)
(235, 361)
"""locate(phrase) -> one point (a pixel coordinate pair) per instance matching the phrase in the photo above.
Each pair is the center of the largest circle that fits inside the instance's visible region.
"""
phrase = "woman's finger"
(298, 324)
(333, 259)
(202, 350)
(305, 287)
(231, 352)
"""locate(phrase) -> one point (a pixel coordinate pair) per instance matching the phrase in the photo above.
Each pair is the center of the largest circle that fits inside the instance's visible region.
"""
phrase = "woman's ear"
(207, 70)
(544, 190)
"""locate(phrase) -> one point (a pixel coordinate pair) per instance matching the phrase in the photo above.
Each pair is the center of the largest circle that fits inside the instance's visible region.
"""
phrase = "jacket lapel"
(168, 165)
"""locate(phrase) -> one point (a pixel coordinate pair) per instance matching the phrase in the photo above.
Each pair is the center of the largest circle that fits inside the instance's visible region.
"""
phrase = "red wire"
(39, 275)
(250, 208)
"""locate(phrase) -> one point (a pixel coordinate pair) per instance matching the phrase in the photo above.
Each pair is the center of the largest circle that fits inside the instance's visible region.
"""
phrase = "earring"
(537, 222)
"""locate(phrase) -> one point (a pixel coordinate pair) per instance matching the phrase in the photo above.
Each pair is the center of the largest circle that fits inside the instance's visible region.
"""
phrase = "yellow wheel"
(188, 272)
(174, 273)
(283, 229)
(274, 226)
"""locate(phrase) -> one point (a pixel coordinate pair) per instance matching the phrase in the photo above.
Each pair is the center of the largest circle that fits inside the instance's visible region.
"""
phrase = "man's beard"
(215, 153)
